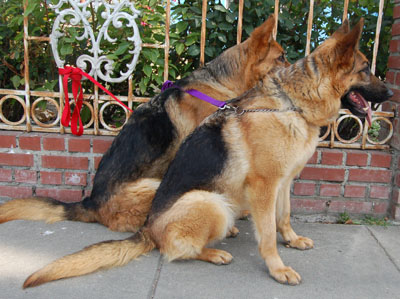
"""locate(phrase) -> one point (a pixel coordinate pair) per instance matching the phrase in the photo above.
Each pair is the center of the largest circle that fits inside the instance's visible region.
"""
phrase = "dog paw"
(301, 243)
(216, 256)
(233, 232)
(286, 275)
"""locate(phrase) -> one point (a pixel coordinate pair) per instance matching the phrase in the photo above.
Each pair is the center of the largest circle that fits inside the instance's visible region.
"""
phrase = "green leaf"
(66, 49)
(16, 81)
(180, 48)
(220, 8)
(147, 70)
(122, 48)
(30, 8)
(222, 37)
(181, 26)
(194, 50)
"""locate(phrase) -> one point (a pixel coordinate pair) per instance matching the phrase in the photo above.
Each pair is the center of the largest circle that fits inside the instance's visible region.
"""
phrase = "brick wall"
(393, 81)
(59, 166)
(63, 167)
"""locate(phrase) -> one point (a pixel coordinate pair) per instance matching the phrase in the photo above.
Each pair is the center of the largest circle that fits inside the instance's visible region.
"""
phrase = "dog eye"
(282, 58)
(366, 70)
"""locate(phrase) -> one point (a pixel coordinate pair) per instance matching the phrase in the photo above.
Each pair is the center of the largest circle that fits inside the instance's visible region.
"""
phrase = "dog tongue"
(360, 101)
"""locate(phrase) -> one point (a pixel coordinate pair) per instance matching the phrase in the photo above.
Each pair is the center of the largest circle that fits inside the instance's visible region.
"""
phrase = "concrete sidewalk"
(348, 261)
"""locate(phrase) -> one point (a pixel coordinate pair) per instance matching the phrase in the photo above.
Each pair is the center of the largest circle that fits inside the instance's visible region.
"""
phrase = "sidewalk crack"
(384, 249)
(152, 292)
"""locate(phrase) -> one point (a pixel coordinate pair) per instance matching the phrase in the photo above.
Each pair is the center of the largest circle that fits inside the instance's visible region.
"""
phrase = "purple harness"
(193, 92)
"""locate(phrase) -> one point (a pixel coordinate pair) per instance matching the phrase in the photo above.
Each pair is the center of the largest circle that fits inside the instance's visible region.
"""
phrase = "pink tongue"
(357, 98)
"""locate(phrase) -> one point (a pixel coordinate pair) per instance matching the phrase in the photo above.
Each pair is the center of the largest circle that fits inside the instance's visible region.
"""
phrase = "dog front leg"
(283, 220)
(263, 196)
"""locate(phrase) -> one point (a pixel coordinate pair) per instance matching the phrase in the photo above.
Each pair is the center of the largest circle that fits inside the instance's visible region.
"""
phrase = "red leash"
(76, 76)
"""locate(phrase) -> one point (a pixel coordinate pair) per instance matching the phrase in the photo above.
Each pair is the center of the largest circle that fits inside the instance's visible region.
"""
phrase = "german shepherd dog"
(130, 171)
(245, 155)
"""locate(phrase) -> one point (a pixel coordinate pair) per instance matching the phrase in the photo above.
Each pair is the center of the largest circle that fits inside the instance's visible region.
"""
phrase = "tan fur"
(265, 151)
(128, 209)
(198, 218)
(98, 256)
(30, 209)
(255, 57)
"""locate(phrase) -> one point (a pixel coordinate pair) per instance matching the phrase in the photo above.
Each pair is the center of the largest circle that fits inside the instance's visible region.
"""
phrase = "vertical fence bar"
(166, 49)
(309, 27)
(377, 33)
(345, 9)
(203, 32)
(276, 14)
(26, 71)
(240, 22)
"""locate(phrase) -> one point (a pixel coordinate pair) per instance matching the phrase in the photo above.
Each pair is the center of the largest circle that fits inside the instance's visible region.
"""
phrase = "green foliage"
(373, 131)
(184, 37)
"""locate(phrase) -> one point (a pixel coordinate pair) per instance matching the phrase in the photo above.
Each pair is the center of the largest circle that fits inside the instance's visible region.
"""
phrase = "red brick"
(381, 160)
(15, 191)
(398, 180)
(51, 177)
(100, 146)
(354, 191)
(314, 158)
(304, 189)
(16, 159)
(97, 162)
(325, 174)
(307, 205)
(54, 143)
(396, 12)
(76, 179)
(367, 175)
(25, 176)
(79, 145)
(332, 158)
(396, 29)
(329, 190)
(8, 141)
(64, 195)
(5, 175)
(394, 62)
(396, 95)
(390, 76)
(380, 208)
(65, 162)
(29, 143)
(359, 207)
(381, 192)
(357, 159)
(394, 46)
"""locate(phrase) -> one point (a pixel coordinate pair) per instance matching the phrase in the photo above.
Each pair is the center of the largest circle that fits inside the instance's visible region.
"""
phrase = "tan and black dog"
(130, 171)
(244, 156)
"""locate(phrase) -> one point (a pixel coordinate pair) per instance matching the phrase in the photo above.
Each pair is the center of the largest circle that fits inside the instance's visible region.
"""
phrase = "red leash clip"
(76, 76)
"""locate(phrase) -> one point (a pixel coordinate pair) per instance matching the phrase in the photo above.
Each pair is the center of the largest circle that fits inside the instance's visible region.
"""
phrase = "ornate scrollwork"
(80, 13)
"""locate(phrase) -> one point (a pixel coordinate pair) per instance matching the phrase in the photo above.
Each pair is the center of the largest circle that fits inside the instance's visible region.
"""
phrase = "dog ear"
(348, 43)
(343, 29)
(262, 36)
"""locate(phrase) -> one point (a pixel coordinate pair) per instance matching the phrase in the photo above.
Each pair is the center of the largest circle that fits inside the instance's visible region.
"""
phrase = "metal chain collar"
(240, 111)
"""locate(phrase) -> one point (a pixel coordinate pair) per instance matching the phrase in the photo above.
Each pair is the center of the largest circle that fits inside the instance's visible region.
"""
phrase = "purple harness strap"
(193, 92)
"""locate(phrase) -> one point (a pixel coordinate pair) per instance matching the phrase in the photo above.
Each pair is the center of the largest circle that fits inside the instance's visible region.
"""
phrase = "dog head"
(352, 77)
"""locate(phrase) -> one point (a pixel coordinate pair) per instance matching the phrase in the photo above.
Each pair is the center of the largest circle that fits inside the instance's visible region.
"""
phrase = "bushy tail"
(46, 209)
(95, 257)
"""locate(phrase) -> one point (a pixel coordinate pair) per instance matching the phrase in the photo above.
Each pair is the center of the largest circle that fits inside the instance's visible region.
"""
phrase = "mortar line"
(384, 249)
(154, 284)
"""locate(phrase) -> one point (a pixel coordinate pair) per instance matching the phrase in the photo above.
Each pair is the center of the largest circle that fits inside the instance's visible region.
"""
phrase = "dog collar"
(194, 92)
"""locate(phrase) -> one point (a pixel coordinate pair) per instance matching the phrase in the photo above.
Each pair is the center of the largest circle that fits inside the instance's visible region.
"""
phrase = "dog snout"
(389, 93)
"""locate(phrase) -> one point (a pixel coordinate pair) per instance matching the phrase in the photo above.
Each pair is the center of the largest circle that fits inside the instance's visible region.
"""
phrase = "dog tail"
(95, 257)
(47, 209)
